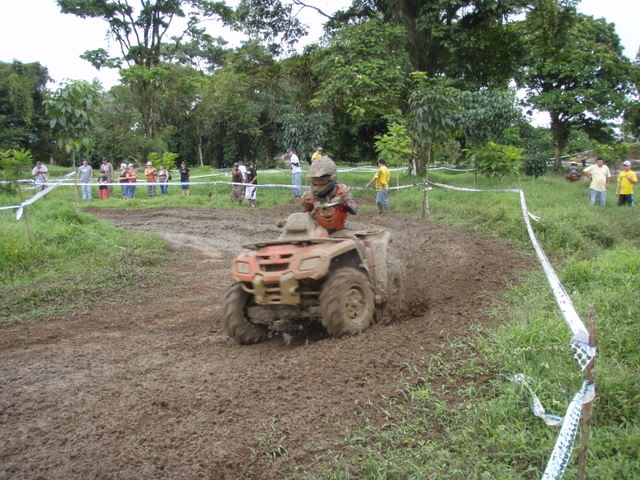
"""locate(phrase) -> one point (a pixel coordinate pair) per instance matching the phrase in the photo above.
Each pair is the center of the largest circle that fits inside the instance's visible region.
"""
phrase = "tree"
(495, 160)
(575, 71)
(471, 41)
(396, 146)
(23, 121)
(142, 35)
(304, 132)
(364, 71)
(72, 112)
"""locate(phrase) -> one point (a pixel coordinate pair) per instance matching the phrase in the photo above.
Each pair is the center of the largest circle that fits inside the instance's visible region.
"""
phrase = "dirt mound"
(155, 389)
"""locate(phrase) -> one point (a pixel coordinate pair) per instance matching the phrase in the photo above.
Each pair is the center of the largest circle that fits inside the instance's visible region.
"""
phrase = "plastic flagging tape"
(561, 453)
(580, 340)
(536, 405)
(37, 196)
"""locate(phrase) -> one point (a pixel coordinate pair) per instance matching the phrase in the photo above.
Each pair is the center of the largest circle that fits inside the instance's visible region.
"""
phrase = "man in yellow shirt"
(317, 154)
(381, 178)
(626, 180)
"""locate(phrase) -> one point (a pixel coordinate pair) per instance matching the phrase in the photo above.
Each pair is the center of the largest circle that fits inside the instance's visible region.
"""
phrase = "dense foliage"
(381, 67)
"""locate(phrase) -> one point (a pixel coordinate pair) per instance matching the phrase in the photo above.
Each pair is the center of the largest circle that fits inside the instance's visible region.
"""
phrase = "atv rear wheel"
(346, 302)
(234, 317)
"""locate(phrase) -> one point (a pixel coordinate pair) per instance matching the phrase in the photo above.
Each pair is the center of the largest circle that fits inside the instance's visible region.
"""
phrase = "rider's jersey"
(331, 218)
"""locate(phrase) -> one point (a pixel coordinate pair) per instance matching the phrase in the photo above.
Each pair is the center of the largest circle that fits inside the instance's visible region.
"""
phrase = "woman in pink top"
(132, 176)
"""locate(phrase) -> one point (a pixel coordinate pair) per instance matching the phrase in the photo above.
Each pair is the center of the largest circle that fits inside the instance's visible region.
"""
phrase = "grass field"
(463, 418)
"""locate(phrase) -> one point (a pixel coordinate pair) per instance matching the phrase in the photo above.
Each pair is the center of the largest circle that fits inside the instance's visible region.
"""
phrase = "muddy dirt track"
(154, 388)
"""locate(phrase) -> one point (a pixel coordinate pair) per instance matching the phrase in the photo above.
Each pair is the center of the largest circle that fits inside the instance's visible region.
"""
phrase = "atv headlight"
(310, 263)
(243, 267)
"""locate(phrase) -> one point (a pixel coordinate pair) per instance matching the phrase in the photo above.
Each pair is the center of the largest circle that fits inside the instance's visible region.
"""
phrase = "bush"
(495, 160)
(535, 165)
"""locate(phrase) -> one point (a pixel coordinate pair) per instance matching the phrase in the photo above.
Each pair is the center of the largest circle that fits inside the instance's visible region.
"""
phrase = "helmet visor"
(320, 181)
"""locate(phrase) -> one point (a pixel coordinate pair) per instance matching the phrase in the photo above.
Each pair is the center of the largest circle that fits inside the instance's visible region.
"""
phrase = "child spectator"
(103, 189)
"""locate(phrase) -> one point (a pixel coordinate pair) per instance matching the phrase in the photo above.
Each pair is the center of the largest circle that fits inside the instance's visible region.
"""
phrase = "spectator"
(185, 175)
(296, 173)
(250, 191)
(124, 181)
(163, 177)
(243, 171)
(151, 175)
(103, 189)
(107, 169)
(626, 180)
(237, 191)
(317, 154)
(40, 175)
(600, 177)
(84, 175)
(381, 178)
(132, 178)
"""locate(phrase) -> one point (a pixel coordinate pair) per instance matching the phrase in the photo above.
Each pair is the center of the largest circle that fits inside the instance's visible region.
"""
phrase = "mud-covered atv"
(344, 281)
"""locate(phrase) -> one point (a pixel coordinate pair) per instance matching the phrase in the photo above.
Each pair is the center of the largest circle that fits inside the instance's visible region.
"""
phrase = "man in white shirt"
(296, 173)
(600, 177)
(40, 175)
(243, 171)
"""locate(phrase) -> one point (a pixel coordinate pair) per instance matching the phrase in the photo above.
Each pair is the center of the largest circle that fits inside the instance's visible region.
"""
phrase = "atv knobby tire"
(346, 302)
(234, 318)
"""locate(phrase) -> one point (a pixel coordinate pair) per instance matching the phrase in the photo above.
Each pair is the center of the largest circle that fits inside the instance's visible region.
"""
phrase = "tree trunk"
(560, 132)
(200, 151)
(73, 157)
(425, 192)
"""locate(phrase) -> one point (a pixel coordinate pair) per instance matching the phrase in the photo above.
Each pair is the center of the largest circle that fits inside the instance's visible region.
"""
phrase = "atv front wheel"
(346, 302)
(234, 317)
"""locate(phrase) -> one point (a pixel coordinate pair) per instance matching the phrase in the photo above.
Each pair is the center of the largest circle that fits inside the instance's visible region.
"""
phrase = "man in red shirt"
(325, 190)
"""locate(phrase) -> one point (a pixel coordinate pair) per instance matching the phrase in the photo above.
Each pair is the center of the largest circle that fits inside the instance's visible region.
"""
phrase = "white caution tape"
(536, 405)
(37, 196)
(580, 340)
(561, 453)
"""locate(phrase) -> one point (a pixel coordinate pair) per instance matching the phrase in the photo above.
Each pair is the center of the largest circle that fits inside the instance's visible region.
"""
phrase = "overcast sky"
(35, 30)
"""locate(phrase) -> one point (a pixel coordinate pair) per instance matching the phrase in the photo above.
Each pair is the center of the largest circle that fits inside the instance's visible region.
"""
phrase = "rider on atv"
(328, 201)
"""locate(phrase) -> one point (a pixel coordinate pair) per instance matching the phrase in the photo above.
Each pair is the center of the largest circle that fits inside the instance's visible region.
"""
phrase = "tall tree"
(575, 70)
(72, 111)
(143, 37)
(471, 41)
(23, 121)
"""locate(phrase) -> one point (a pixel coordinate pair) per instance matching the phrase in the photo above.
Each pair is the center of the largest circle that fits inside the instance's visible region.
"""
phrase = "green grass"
(64, 258)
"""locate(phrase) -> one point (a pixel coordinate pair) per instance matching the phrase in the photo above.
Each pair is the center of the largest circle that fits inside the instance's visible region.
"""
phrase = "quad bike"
(344, 281)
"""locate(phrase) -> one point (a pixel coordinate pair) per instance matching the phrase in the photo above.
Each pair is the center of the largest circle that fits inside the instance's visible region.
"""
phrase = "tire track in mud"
(155, 388)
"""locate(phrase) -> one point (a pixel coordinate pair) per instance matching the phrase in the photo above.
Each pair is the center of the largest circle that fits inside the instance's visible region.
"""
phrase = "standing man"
(317, 154)
(151, 174)
(626, 180)
(600, 177)
(185, 175)
(251, 191)
(85, 174)
(107, 169)
(296, 173)
(237, 191)
(40, 175)
(381, 178)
